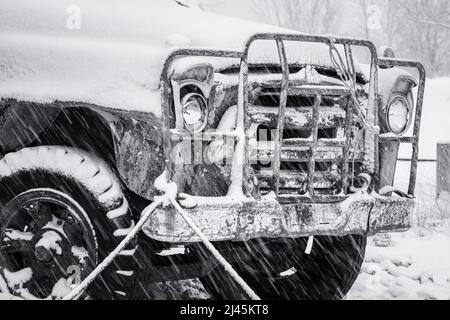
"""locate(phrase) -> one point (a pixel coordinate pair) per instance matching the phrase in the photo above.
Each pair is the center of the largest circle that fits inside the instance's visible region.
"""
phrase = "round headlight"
(398, 115)
(194, 112)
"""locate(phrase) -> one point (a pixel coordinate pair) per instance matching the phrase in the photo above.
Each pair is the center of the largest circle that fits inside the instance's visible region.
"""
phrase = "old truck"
(280, 147)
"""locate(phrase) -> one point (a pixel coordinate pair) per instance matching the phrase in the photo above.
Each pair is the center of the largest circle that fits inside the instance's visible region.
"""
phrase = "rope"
(348, 78)
(228, 268)
(75, 293)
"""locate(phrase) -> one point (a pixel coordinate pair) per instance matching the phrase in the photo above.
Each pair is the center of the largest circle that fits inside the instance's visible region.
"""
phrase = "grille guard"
(239, 168)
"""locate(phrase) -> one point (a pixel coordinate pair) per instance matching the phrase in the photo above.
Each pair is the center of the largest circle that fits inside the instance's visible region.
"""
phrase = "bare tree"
(425, 33)
(364, 7)
(417, 29)
(387, 20)
(311, 16)
(392, 23)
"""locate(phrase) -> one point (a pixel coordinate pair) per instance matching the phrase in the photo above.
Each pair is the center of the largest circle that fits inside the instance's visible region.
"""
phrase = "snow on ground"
(409, 266)
(415, 264)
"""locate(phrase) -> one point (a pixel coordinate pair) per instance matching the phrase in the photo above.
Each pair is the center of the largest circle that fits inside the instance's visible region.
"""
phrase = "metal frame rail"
(414, 139)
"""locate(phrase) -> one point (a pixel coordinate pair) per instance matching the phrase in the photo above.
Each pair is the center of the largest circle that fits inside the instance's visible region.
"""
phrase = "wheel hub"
(42, 254)
(47, 244)
(50, 244)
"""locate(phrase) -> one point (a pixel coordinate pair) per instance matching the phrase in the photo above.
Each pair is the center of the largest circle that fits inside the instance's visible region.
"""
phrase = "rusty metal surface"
(299, 180)
(388, 162)
(220, 221)
(139, 150)
(391, 215)
(281, 115)
(313, 148)
(301, 154)
(348, 152)
(298, 118)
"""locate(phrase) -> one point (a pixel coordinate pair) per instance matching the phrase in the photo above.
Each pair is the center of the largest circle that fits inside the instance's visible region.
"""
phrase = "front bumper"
(222, 219)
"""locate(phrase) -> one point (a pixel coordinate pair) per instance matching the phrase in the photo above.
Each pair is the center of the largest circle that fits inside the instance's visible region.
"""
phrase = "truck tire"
(281, 270)
(62, 208)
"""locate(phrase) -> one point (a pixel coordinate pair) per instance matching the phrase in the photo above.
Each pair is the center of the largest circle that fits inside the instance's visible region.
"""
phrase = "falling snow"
(410, 265)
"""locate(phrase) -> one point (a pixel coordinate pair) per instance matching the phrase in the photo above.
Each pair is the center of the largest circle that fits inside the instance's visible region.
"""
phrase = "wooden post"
(443, 168)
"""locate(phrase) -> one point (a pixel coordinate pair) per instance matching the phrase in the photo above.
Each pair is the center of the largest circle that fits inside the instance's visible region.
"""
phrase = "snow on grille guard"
(330, 215)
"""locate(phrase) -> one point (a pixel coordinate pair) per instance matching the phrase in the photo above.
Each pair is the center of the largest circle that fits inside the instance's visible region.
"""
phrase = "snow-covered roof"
(114, 59)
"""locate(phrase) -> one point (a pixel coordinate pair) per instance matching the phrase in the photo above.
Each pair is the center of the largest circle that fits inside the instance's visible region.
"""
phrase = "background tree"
(425, 33)
(416, 29)
(317, 16)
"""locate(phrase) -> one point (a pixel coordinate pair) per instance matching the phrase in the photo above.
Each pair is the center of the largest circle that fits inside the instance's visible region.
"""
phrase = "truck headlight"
(194, 112)
(399, 115)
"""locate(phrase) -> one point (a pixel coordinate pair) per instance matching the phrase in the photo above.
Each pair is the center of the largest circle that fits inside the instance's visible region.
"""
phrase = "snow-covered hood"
(115, 57)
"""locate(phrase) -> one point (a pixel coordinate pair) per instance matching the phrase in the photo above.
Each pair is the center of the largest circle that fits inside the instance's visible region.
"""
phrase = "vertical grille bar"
(348, 120)
(346, 149)
(238, 170)
(312, 150)
(281, 115)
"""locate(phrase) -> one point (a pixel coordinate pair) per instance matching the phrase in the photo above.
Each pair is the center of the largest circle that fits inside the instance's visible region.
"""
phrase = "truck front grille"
(321, 145)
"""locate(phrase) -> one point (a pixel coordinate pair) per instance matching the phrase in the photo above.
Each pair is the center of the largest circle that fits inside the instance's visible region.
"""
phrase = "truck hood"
(110, 52)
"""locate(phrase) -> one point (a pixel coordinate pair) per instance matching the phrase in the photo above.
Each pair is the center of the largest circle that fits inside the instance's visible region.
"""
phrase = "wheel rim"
(47, 245)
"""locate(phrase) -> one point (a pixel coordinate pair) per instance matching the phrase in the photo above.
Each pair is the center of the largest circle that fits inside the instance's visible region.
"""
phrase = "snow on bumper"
(239, 221)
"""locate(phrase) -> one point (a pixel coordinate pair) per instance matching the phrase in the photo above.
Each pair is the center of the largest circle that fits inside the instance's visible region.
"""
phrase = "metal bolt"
(42, 254)
(70, 220)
